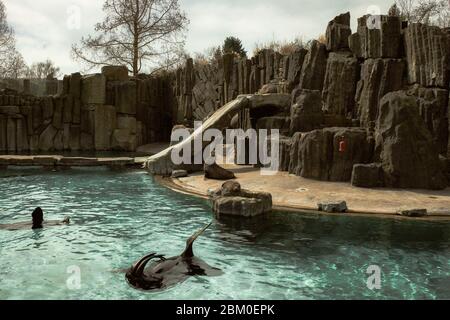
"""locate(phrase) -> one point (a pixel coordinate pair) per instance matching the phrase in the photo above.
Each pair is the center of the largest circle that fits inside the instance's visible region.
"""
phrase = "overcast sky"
(44, 28)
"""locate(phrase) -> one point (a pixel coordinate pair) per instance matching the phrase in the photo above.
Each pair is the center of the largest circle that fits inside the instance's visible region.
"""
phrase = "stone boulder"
(306, 111)
(405, 146)
(314, 67)
(338, 31)
(329, 154)
(340, 82)
(333, 207)
(414, 213)
(216, 172)
(367, 175)
(231, 200)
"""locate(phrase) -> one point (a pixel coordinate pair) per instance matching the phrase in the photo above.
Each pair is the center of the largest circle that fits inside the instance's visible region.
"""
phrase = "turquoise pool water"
(119, 216)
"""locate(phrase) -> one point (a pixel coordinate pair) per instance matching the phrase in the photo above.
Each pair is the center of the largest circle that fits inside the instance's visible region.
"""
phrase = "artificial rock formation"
(102, 112)
(231, 200)
(367, 175)
(306, 111)
(428, 55)
(320, 154)
(378, 77)
(339, 86)
(338, 31)
(377, 37)
(314, 67)
(405, 146)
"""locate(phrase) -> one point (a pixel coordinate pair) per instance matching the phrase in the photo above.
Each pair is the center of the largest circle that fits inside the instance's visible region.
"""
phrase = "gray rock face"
(329, 154)
(105, 123)
(46, 138)
(115, 73)
(314, 67)
(280, 123)
(433, 107)
(428, 55)
(123, 140)
(338, 31)
(285, 153)
(339, 87)
(216, 172)
(293, 67)
(381, 41)
(125, 97)
(378, 77)
(367, 175)
(93, 89)
(333, 207)
(231, 200)
(405, 146)
(306, 111)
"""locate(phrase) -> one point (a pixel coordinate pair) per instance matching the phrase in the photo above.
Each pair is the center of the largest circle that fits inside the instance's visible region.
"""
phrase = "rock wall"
(202, 89)
(102, 112)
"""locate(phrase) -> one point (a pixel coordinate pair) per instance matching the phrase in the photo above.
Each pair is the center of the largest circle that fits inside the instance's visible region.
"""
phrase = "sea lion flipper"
(188, 252)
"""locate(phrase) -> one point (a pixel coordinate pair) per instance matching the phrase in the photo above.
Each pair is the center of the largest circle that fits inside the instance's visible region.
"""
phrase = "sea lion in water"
(36, 223)
(167, 272)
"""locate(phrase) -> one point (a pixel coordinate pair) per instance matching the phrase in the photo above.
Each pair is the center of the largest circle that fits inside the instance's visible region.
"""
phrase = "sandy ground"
(295, 193)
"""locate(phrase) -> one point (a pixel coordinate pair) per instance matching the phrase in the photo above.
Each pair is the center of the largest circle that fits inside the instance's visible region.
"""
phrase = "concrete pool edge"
(177, 185)
(64, 162)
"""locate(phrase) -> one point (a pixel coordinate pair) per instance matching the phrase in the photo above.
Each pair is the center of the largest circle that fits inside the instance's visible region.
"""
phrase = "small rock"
(179, 174)
(414, 213)
(333, 207)
(230, 199)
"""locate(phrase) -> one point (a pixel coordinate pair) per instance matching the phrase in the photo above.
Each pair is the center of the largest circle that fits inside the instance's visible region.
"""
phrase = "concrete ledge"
(60, 161)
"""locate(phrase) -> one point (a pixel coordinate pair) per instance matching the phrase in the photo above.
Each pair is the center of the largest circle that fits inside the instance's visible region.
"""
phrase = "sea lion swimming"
(37, 222)
(164, 272)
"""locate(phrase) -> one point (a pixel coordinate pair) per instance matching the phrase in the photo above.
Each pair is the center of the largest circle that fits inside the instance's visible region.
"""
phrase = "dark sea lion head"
(38, 218)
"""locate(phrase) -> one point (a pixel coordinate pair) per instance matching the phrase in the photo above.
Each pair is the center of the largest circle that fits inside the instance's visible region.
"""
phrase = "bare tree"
(432, 12)
(139, 34)
(43, 70)
(6, 32)
(12, 64)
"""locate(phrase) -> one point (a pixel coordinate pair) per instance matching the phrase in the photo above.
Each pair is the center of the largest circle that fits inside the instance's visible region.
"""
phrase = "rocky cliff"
(107, 111)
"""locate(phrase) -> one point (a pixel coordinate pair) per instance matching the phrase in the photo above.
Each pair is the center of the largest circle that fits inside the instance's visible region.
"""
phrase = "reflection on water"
(119, 216)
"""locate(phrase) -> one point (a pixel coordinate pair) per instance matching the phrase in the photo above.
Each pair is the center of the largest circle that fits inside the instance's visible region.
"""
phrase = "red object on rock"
(342, 146)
